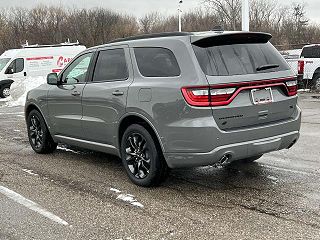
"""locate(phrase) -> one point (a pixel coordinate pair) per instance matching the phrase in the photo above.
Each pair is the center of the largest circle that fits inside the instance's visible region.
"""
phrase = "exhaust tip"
(225, 159)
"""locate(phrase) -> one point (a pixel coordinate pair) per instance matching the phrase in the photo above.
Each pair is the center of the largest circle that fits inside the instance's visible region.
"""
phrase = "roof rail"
(68, 43)
(152, 35)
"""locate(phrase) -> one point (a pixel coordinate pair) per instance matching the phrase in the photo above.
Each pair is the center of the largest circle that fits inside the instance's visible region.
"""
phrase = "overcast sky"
(140, 7)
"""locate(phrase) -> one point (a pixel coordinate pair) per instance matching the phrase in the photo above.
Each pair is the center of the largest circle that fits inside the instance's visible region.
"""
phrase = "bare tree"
(149, 22)
(46, 25)
(229, 11)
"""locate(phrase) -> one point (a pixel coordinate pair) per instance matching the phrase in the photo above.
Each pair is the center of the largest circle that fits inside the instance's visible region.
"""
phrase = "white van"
(34, 61)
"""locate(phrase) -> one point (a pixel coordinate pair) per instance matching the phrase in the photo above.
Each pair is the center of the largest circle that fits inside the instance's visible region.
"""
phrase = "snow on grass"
(128, 198)
(19, 90)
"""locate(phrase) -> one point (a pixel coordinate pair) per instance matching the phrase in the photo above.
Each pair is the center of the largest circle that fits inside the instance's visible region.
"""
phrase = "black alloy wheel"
(142, 157)
(35, 132)
(38, 133)
(138, 155)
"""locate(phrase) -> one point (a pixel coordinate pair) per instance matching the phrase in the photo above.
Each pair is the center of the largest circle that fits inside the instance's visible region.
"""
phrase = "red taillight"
(300, 66)
(292, 87)
(197, 96)
(224, 94)
(206, 96)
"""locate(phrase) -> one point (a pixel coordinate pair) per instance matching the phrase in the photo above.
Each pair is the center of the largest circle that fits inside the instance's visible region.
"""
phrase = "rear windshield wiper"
(268, 66)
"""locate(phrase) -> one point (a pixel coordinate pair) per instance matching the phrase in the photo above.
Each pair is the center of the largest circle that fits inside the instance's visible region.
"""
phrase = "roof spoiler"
(226, 38)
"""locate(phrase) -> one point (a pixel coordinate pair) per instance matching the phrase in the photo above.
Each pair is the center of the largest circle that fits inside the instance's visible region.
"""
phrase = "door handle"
(75, 93)
(117, 93)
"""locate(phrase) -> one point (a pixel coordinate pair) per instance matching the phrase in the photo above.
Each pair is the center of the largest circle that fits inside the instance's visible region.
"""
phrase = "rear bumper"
(235, 151)
(287, 135)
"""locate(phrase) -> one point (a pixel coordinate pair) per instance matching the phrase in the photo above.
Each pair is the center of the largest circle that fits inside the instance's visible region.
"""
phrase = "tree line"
(50, 25)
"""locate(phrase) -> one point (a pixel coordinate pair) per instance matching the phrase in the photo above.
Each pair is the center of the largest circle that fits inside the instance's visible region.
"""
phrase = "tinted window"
(111, 65)
(77, 71)
(311, 52)
(156, 62)
(239, 59)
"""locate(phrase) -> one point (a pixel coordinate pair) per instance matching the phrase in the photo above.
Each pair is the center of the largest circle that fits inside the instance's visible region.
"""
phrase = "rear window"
(156, 62)
(311, 52)
(239, 59)
(111, 66)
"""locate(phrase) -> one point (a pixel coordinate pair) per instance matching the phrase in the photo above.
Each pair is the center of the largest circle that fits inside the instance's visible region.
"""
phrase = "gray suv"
(170, 100)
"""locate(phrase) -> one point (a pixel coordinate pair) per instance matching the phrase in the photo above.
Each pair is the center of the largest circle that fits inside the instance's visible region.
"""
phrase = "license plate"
(262, 96)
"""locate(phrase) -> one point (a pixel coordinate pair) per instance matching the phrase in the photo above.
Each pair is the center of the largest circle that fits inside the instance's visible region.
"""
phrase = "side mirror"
(9, 70)
(52, 79)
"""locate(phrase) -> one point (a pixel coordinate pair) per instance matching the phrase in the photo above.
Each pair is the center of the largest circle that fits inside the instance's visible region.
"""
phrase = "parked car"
(309, 67)
(170, 100)
(34, 61)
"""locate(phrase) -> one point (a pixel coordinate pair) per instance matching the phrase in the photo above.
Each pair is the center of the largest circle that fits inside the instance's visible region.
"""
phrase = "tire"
(5, 91)
(316, 82)
(142, 158)
(39, 135)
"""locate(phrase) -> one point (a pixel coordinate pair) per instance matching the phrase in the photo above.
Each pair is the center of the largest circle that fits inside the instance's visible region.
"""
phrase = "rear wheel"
(5, 92)
(38, 133)
(142, 158)
(316, 82)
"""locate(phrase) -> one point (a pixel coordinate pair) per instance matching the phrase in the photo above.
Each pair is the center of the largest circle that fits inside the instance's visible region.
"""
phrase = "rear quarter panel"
(180, 127)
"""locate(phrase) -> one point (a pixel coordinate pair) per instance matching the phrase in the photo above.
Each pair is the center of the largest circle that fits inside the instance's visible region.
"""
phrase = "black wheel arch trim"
(33, 106)
(316, 72)
(134, 114)
(5, 82)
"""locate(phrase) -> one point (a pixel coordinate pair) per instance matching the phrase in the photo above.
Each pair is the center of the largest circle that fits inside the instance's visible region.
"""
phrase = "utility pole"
(245, 15)
(180, 14)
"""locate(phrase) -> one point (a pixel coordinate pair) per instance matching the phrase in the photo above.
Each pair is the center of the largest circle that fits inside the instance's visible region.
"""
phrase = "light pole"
(245, 15)
(180, 14)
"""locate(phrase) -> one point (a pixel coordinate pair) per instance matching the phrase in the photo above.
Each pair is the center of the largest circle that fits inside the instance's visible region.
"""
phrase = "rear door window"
(111, 66)
(156, 62)
(239, 59)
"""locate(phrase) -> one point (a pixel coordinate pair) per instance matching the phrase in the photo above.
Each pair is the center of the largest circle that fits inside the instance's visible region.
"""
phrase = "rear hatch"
(250, 84)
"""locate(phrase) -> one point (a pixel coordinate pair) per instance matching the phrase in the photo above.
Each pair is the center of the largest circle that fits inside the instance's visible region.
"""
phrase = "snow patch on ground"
(19, 90)
(304, 90)
(30, 172)
(115, 190)
(67, 149)
(128, 198)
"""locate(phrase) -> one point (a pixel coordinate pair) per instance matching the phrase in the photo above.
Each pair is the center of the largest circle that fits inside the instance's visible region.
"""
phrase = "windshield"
(239, 59)
(3, 62)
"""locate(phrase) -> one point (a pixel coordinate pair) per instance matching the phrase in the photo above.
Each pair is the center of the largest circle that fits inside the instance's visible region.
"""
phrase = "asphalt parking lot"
(79, 194)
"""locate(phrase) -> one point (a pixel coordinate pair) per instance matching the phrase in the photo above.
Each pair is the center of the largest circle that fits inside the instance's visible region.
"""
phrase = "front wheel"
(38, 133)
(142, 158)
(5, 92)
